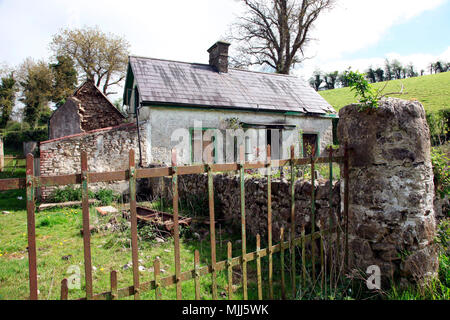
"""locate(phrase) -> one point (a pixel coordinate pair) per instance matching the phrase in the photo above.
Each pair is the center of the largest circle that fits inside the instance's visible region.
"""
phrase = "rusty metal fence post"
(31, 228)
(133, 216)
(176, 230)
(269, 219)
(212, 230)
(86, 224)
(292, 245)
(243, 231)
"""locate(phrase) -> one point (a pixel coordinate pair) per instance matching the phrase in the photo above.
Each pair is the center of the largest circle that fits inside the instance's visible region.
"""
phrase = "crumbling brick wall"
(88, 109)
(96, 110)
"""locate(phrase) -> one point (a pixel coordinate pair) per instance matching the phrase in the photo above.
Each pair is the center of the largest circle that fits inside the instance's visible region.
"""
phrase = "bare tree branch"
(275, 32)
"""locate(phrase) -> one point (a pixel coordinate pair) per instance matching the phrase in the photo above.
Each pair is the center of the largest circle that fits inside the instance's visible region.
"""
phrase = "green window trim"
(191, 147)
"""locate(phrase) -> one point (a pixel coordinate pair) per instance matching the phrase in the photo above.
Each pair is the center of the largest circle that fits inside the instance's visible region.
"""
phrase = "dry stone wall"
(227, 197)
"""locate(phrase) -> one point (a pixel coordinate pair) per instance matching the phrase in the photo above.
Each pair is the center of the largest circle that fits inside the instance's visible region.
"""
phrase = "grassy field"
(433, 91)
(60, 246)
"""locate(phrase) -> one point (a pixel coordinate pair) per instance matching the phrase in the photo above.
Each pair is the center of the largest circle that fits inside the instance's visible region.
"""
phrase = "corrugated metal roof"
(164, 81)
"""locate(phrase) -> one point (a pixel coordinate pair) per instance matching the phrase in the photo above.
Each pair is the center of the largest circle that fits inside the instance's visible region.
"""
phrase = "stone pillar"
(391, 215)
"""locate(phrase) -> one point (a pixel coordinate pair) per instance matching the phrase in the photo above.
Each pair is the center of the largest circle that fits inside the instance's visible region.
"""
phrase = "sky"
(356, 33)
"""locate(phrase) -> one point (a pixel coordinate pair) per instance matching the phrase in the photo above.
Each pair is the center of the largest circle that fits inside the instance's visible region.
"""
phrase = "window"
(275, 141)
(310, 144)
(201, 142)
(136, 99)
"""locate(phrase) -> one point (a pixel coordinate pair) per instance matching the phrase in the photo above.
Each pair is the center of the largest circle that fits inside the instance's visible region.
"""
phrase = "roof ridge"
(208, 65)
(168, 60)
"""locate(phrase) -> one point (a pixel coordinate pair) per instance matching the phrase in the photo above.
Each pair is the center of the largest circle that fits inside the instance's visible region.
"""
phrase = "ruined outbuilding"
(86, 110)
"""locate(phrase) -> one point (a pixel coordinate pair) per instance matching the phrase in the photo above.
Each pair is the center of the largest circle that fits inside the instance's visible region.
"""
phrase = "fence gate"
(332, 241)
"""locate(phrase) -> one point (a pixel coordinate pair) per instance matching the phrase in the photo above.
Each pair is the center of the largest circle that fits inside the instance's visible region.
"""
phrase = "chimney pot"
(218, 56)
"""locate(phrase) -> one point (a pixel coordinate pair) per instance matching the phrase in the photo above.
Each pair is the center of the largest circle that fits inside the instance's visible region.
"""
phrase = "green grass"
(58, 235)
(433, 91)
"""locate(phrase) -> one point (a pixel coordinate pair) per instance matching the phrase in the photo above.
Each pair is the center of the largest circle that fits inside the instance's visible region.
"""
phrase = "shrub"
(367, 96)
(441, 171)
(106, 196)
(438, 122)
(69, 193)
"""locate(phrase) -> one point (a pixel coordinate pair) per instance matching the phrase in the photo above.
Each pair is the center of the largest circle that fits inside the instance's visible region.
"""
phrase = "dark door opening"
(310, 145)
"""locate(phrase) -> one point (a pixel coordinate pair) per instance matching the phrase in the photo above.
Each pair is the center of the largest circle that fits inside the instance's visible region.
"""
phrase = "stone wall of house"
(171, 127)
(107, 150)
(194, 188)
(391, 214)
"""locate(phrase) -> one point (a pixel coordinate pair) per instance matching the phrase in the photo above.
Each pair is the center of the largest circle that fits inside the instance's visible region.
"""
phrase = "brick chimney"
(218, 56)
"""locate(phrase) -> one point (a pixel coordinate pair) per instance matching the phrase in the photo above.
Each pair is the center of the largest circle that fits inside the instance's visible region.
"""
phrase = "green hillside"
(433, 91)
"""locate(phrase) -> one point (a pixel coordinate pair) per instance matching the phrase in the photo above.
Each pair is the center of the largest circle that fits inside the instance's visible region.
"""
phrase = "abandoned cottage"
(205, 111)
(187, 99)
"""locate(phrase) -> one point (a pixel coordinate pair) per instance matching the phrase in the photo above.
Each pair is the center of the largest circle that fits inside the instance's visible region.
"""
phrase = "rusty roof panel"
(198, 84)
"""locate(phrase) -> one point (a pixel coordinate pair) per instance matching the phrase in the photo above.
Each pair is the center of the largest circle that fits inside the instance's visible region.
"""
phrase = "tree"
(65, 79)
(331, 79)
(316, 80)
(100, 57)
(275, 33)
(36, 80)
(410, 71)
(342, 79)
(379, 73)
(388, 70)
(440, 66)
(8, 91)
(370, 75)
(397, 69)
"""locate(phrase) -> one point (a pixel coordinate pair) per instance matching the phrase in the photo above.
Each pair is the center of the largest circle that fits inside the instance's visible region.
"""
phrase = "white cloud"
(354, 25)
(184, 30)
